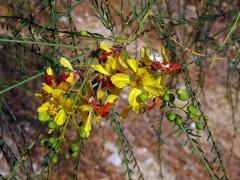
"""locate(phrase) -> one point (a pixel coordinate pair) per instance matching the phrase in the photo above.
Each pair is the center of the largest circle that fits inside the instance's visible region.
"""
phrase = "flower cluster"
(75, 98)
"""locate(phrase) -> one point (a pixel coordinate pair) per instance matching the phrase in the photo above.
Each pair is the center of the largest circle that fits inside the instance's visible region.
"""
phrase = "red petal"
(156, 102)
(49, 79)
(102, 110)
(175, 66)
(62, 78)
(107, 83)
(156, 65)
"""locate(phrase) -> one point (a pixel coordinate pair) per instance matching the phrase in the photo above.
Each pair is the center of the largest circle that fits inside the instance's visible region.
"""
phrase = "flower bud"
(205, 117)
(166, 97)
(182, 94)
(67, 156)
(52, 125)
(44, 142)
(199, 126)
(54, 158)
(73, 148)
(43, 117)
(82, 133)
(192, 110)
(84, 33)
(171, 116)
(53, 142)
(178, 120)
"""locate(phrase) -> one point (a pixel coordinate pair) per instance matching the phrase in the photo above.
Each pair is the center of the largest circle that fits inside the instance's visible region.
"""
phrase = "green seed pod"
(171, 116)
(73, 148)
(192, 110)
(54, 158)
(67, 156)
(84, 33)
(43, 117)
(205, 117)
(178, 120)
(44, 142)
(182, 94)
(143, 97)
(52, 125)
(199, 126)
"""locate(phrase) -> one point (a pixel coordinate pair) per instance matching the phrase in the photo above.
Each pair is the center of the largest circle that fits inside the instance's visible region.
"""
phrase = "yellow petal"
(64, 62)
(165, 58)
(111, 64)
(105, 47)
(142, 73)
(44, 107)
(120, 80)
(69, 105)
(63, 86)
(100, 93)
(86, 128)
(86, 107)
(132, 64)
(100, 69)
(60, 117)
(132, 98)
(71, 79)
(121, 62)
(38, 95)
(111, 99)
(48, 89)
(144, 54)
(50, 71)
(56, 93)
(151, 85)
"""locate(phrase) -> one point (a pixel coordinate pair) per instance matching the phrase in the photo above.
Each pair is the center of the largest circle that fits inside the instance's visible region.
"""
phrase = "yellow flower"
(140, 80)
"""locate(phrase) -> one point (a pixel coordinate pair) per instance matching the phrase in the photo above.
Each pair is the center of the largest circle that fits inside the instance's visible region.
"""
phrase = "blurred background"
(201, 26)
